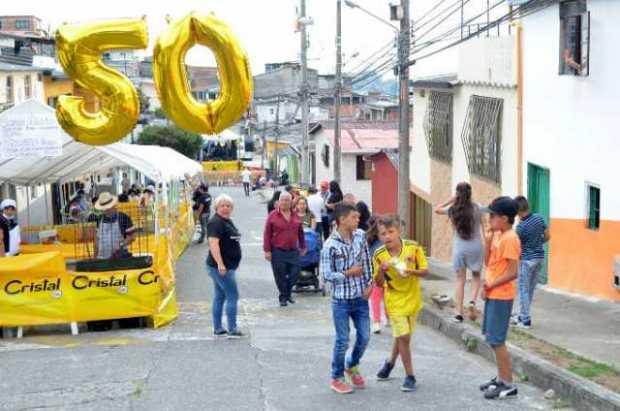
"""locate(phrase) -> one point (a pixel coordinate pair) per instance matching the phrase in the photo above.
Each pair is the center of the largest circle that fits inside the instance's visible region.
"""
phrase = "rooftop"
(444, 81)
(14, 67)
(365, 140)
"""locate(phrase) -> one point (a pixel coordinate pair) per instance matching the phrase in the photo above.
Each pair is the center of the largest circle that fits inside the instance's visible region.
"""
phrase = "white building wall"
(322, 172)
(460, 171)
(420, 162)
(19, 94)
(486, 68)
(570, 122)
(349, 183)
(267, 111)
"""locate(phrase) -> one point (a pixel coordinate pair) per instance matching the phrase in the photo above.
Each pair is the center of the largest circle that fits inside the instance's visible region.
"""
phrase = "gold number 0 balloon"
(79, 51)
(173, 88)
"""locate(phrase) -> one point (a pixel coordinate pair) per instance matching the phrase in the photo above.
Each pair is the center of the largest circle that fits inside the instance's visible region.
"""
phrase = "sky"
(265, 28)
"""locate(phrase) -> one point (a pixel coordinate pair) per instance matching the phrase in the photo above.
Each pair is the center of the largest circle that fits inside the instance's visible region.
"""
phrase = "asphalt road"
(282, 364)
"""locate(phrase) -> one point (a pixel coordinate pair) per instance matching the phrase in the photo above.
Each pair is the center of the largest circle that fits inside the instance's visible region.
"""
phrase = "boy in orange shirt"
(503, 250)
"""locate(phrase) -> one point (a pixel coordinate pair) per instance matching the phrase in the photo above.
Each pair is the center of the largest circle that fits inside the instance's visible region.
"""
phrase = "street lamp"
(400, 12)
(354, 5)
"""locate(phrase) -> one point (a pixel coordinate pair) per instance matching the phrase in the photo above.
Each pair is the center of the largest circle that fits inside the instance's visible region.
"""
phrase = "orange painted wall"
(582, 260)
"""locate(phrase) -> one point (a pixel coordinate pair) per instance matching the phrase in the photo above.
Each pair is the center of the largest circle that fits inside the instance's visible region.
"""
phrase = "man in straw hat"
(115, 230)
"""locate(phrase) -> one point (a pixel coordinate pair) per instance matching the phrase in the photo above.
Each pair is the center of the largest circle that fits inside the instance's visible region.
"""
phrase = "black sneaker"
(458, 319)
(290, 300)
(408, 384)
(501, 391)
(491, 383)
(220, 333)
(384, 372)
(234, 335)
(283, 303)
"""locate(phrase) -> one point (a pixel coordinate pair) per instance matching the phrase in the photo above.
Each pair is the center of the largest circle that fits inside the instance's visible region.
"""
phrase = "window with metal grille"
(325, 156)
(22, 25)
(28, 86)
(482, 137)
(594, 207)
(438, 126)
(363, 168)
(10, 96)
(574, 38)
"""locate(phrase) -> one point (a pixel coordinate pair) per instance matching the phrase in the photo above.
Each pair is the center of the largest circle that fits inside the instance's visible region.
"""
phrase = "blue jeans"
(224, 290)
(528, 278)
(358, 311)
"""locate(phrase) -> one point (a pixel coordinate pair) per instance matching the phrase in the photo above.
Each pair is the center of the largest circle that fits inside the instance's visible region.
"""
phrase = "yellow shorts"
(403, 325)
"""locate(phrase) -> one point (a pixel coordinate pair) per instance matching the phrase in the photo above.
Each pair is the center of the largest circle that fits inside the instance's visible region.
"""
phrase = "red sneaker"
(340, 386)
(356, 378)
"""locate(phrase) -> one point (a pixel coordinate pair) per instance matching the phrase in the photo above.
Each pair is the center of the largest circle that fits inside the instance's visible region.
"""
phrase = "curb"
(582, 394)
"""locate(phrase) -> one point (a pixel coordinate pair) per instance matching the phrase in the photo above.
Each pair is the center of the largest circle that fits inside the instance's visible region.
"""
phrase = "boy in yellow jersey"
(398, 266)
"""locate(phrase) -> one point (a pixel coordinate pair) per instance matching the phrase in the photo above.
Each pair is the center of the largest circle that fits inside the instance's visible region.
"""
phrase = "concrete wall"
(571, 129)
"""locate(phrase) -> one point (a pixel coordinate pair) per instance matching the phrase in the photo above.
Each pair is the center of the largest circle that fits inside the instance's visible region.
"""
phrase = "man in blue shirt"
(533, 233)
(345, 262)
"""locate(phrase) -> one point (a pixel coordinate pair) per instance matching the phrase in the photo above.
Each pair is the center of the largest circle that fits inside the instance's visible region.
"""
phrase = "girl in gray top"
(467, 250)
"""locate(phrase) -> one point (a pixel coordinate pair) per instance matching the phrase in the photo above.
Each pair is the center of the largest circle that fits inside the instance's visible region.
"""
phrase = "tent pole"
(28, 203)
(47, 208)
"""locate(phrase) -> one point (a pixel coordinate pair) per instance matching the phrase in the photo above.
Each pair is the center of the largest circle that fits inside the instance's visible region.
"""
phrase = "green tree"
(188, 144)
(160, 113)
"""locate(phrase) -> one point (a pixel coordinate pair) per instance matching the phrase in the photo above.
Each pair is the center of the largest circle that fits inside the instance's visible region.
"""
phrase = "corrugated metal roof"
(14, 67)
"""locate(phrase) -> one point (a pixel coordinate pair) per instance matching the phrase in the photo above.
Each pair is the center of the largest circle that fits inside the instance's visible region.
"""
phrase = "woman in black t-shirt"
(222, 263)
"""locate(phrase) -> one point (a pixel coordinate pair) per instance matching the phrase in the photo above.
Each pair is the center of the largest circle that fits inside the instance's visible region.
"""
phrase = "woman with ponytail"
(467, 250)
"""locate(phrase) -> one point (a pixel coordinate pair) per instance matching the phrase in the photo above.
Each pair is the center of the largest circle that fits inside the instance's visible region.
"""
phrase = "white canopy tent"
(157, 163)
(35, 124)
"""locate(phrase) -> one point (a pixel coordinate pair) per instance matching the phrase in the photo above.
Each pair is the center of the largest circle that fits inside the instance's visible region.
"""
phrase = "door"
(421, 222)
(538, 189)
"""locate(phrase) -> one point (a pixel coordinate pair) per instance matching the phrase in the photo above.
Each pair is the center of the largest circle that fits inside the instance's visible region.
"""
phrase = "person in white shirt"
(246, 179)
(316, 204)
(11, 238)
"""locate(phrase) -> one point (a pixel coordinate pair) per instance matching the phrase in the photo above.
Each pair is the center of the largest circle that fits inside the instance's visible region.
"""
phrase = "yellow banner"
(37, 290)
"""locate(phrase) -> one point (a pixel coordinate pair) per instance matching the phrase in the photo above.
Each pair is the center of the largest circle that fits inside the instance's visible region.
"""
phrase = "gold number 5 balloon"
(173, 87)
(79, 50)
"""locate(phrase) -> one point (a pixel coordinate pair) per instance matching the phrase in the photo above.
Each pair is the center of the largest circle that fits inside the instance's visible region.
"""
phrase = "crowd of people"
(373, 269)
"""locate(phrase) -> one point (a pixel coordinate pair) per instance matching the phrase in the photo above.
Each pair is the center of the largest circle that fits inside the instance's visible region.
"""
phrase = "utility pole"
(338, 92)
(264, 141)
(403, 141)
(277, 132)
(305, 156)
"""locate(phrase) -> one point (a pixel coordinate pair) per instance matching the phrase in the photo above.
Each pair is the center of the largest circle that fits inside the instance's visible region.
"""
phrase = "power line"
(532, 7)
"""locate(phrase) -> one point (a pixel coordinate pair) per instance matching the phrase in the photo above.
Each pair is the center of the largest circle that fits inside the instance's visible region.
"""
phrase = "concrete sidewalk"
(586, 327)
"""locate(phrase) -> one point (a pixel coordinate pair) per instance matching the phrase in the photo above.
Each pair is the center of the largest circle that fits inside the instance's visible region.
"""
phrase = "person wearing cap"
(115, 230)
(503, 251)
(10, 236)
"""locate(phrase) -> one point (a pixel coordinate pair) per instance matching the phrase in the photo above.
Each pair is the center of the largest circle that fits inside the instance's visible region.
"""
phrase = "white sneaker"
(376, 327)
(523, 326)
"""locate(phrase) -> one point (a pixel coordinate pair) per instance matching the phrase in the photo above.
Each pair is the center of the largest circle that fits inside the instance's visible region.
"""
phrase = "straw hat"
(106, 201)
